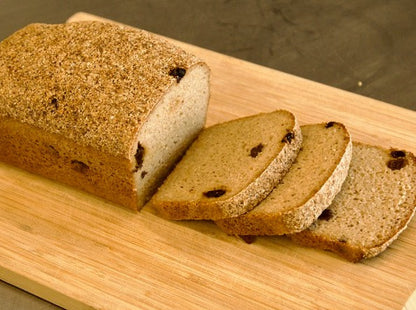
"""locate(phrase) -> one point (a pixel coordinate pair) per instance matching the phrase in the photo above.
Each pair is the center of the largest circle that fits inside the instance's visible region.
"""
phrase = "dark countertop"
(366, 47)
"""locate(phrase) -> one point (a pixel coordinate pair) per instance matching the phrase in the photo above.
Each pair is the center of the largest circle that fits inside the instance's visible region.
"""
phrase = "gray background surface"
(366, 47)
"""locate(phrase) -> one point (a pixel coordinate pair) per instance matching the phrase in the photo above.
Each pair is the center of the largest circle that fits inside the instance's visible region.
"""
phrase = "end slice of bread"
(375, 205)
(306, 190)
(230, 167)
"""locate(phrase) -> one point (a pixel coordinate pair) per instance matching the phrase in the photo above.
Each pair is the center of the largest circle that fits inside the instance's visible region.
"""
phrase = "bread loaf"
(98, 106)
(230, 167)
(376, 203)
(306, 190)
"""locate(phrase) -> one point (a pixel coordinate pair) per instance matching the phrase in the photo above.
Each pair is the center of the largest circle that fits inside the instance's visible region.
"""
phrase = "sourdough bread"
(376, 203)
(230, 167)
(99, 106)
(306, 190)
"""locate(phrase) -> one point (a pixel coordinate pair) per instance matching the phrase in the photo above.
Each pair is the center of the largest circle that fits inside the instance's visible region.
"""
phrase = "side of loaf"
(376, 203)
(230, 167)
(308, 188)
(99, 106)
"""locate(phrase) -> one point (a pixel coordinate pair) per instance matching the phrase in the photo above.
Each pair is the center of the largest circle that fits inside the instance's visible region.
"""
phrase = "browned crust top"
(91, 82)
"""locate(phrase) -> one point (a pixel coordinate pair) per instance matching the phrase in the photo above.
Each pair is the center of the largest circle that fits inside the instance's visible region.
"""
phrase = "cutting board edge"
(40, 290)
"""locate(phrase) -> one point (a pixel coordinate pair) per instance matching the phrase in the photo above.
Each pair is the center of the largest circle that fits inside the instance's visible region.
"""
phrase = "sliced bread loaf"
(375, 205)
(306, 190)
(99, 106)
(230, 167)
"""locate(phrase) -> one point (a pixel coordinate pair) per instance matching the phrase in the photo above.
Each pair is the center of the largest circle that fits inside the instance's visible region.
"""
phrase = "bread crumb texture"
(310, 185)
(92, 82)
(374, 206)
(230, 167)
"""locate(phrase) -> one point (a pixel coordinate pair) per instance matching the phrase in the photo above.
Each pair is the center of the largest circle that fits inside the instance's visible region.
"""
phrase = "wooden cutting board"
(79, 251)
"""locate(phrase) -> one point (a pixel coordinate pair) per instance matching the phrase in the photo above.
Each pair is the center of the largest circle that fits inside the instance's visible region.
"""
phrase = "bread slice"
(99, 106)
(306, 190)
(230, 167)
(375, 205)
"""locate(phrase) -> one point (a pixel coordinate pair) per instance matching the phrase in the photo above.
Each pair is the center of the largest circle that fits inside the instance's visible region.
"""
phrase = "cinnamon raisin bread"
(376, 203)
(99, 106)
(306, 190)
(230, 167)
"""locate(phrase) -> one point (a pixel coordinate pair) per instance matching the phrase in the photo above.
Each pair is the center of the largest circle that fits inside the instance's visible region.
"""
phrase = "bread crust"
(58, 158)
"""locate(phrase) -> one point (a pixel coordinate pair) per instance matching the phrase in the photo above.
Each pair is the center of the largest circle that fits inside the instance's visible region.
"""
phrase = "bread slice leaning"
(307, 189)
(375, 205)
(230, 168)
(99, 106)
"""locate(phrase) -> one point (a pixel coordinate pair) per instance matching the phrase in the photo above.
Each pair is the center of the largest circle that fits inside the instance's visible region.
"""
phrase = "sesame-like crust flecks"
(91, 82)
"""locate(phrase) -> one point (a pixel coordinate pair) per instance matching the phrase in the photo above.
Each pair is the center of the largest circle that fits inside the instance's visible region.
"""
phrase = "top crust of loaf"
(92, 82)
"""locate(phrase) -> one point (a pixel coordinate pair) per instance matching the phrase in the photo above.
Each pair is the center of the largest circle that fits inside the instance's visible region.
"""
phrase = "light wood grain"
(81, 252)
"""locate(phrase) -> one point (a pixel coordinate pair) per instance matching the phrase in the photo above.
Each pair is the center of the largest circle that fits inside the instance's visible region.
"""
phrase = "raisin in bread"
(375, 205)
(307, 189)
(230, 167)
(99, 106)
